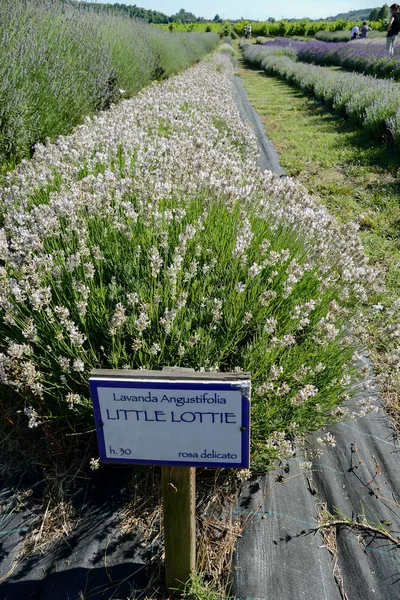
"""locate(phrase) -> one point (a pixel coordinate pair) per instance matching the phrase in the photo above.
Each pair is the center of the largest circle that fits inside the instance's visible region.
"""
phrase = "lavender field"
(138, 232)
(148, 237)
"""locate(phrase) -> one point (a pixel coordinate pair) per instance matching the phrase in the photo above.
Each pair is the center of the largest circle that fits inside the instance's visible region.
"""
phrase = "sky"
(254, 9)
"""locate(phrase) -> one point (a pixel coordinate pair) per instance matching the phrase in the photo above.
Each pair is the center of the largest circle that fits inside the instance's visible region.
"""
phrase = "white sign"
(193, 422)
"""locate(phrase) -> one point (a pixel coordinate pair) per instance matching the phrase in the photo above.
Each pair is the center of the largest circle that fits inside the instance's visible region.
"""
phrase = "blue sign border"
(96, 383)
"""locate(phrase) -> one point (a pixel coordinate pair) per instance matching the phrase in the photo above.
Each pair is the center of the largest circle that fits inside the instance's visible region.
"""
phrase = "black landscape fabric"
(281, 554)
(268, 160)
(97, 560)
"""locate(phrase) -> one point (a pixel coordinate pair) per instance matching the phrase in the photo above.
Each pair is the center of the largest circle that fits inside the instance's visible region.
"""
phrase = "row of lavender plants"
(361, 56)
(345, 36)
(149, 237)
(371, 103)
(59, 63)
(371, 59)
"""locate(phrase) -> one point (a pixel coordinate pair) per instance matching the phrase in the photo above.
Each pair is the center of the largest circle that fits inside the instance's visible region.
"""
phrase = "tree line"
(380, 14)
(135, 12)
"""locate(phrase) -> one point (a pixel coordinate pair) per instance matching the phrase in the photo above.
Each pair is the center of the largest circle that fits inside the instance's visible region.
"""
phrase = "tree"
(183, 17)
(271, 20)
(373, 15)
(384, 13)
(217, 19)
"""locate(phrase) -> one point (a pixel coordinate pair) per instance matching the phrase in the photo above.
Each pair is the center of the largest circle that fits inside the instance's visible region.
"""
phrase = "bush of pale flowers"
(149, 238)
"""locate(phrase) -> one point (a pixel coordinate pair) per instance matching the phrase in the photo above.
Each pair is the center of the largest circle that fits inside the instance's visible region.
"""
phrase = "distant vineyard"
(267, 29)
(204, 27)
(300, 28)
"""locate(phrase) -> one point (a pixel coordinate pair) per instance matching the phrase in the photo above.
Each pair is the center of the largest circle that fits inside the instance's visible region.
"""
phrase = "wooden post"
(179, 497)
(178, 482)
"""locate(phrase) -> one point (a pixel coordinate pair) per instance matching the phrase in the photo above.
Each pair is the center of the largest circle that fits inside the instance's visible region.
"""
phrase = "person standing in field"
(354, 32)
(364, 31)
(249, 31)
(393, 29)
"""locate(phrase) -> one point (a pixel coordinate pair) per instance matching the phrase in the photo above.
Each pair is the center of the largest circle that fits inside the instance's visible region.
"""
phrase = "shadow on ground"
(100, 559)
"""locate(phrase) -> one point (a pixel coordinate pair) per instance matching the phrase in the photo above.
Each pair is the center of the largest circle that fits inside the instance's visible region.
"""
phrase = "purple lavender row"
(371, 59)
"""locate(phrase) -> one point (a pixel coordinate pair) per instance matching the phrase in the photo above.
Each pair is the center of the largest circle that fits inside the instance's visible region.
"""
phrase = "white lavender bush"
(59, 63)
(148, 237)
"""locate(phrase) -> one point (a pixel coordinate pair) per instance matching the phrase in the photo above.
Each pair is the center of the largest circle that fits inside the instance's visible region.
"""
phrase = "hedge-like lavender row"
(371, 59)
(371, 103)
(361, 55)
(278, 47)
(59, 63)
(344, 36)
(149, 237)
(333, 36)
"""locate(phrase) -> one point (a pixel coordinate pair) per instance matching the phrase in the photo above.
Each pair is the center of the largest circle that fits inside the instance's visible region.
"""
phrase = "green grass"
(356, 179)
(198, 589)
